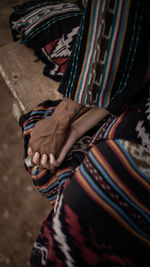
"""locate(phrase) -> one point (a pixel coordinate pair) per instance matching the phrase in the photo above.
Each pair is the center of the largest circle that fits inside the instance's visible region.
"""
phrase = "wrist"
(67, 110)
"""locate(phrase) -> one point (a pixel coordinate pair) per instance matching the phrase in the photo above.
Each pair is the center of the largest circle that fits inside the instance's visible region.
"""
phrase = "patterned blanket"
(100, 194)
(50, 28)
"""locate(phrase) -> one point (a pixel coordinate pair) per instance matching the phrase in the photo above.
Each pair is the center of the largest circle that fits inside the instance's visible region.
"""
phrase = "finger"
(36, 158)
(52, 159)
(52, 163)
(30, 152)
(44, 161)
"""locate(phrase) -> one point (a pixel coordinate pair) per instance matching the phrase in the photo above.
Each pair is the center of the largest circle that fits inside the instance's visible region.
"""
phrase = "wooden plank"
(25, 78)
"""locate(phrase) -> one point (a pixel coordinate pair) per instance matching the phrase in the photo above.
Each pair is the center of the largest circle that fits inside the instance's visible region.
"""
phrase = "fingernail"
(52, 159)
(30, 151)
(36, 157)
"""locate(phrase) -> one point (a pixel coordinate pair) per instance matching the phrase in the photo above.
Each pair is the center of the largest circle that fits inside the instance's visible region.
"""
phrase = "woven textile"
(109, 56)
(101, 215)
(100, 194)
(98, 49)
(50, 28)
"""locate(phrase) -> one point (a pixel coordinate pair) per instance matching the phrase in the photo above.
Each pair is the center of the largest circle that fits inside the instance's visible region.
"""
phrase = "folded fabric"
(50, 28)
(100, 192)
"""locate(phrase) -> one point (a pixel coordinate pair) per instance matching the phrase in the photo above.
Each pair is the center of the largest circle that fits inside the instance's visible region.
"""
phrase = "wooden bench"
(23, 75)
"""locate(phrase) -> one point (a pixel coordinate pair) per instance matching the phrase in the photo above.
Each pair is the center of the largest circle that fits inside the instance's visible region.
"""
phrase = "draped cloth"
(50, 29)
(109, 55)
(97, 49)
(100, 193)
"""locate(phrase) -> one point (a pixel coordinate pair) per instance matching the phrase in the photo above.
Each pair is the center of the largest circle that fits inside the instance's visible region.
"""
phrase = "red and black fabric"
(101, 213)
(50, 29)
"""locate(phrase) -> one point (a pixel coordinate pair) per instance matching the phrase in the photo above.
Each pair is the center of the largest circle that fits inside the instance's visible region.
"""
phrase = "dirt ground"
(22, 209)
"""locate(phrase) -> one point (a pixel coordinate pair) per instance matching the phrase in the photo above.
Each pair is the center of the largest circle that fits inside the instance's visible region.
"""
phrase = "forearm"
(69, 110)
(89, 120)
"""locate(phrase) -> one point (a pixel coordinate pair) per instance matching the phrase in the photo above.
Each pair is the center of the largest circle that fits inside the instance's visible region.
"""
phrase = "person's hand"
(53, 162)
(78, 128)
(48, 137)
(50, 134)
(52, 138)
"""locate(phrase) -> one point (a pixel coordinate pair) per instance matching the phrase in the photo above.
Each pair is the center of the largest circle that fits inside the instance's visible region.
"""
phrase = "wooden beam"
(24, 77)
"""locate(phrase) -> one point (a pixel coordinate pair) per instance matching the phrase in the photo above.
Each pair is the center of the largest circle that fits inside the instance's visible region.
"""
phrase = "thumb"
(68, 145)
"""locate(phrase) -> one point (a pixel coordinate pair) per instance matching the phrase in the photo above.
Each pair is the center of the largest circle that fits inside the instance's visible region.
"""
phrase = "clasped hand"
(52, 138)
(50, 141)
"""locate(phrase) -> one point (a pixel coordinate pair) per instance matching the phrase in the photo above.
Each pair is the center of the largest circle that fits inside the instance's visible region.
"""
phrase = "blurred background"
(22, 209)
